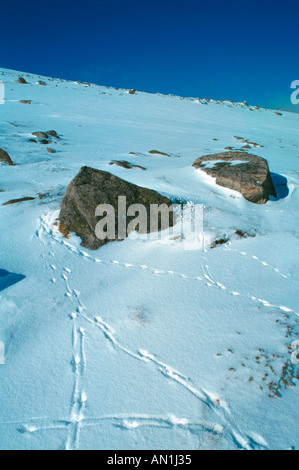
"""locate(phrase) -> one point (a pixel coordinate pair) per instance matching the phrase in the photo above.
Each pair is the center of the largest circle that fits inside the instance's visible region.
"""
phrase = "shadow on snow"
(281, 186)
(9, 279)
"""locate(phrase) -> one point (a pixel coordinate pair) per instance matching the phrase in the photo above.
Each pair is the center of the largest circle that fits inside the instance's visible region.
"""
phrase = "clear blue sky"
(222, 49)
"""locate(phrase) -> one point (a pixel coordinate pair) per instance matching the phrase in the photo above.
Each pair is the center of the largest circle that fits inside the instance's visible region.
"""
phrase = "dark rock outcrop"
(127, 165)
(17, 201)
(46, 135)
(248, 174)
(5, 158)
(88, 190)
(22, 81)
(157, 152)
(52, 134)
(40, 135)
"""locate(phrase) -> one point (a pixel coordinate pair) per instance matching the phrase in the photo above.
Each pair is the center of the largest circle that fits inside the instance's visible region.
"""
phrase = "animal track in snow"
(79, 397)
(206, 278)
(47, 226)
(77, 419)
(256, 258)
(213, 402)
(209, 432)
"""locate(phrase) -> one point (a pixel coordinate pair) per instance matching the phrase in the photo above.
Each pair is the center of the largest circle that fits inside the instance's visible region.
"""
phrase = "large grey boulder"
(5, 158)
(246, 173)
(88, 190)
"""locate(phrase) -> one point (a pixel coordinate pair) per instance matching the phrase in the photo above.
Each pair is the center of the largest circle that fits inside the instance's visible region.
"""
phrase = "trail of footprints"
(79, 397)
(256, 258)
(77, 419)
(210, 432)
(212, 402)
(48, 227)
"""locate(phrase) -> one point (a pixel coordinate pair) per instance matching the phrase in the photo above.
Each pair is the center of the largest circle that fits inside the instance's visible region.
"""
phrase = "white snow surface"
(141, 344)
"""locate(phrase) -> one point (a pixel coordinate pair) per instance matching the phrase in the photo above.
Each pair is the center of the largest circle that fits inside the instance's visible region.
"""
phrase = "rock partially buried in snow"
(5, 158)
(53, 134)
(17, 201)
(45, 135)
(40, 135)
(91, 188)
(248, 174)
(22, 81)
(127, 165)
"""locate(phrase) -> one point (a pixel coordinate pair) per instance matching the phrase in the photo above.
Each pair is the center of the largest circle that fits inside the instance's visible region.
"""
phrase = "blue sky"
(222, 49)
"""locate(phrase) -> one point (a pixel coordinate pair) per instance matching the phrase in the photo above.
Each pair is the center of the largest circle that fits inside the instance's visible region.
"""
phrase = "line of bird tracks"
(222, 423)
(47, 227)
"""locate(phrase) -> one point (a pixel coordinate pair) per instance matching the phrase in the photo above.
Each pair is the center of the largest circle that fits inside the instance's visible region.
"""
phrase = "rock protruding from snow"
(53, 134)
(248, 174)
(22, 81)
(5, 158)
(91, 188)
(40, 135)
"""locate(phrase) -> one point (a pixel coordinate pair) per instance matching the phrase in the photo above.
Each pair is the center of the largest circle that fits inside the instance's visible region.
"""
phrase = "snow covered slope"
(141, 344)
